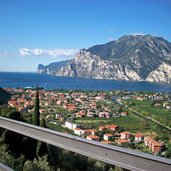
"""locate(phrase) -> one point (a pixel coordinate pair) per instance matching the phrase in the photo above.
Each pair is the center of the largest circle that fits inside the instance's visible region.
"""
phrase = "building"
(101, 128)
(107, 137)
(78, 131)
(123, 142)
(13, 103)
(125, 135)
(86, 132)
(104, 115)
(124, 113)
(153, 145)
(139, 137)
(59, 116)
(80, 114)
(94, 131)
(112, 127)
(70, 107)
(93, 137)
(71, 125)
(89, 132)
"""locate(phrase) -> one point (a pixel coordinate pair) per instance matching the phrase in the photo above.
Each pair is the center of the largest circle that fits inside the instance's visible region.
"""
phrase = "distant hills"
(132, 57)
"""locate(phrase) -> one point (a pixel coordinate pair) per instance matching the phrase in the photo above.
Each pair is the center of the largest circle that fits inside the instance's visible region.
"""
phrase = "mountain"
(52, 68)
(142, 54)
(132, 57)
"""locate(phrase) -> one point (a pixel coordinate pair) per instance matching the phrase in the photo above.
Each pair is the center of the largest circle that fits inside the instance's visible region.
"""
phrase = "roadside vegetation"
(148, 109)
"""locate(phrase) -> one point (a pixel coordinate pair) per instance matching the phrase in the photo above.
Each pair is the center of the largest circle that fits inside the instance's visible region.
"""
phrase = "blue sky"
(44, 31)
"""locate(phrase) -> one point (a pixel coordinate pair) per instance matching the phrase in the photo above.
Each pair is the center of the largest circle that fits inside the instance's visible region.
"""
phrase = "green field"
(145, 108)
(128, 123)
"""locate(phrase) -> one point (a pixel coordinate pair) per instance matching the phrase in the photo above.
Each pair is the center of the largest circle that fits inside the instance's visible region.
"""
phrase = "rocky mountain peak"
(132, 57)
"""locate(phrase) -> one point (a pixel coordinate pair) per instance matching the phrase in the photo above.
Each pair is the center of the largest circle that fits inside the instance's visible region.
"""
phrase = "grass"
(145, 107)
(143, 148)
(155, 111)
(59, 128)
(130, 123)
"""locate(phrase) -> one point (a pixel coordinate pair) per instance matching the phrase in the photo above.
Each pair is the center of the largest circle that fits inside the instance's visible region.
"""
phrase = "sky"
(36, 32)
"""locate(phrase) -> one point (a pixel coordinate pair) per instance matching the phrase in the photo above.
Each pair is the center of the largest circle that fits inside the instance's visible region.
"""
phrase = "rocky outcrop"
(52, 68)
(135, 58)
(161, 74)
(85, 64)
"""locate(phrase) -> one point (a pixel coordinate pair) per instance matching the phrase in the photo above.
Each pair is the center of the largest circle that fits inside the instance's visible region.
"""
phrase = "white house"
(139, 137)
(71, 125)
(107, 137)
(78, 131)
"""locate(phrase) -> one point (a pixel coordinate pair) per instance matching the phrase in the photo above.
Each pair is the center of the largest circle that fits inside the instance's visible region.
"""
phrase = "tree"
(43, 123)
(31, 144)
(36, 118)
(41, 146)
(168, 152)
(40, 164)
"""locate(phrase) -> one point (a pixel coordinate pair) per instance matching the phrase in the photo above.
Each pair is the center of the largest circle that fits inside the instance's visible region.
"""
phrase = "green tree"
(41, 146)
(39, 164)
(5, 157)
(43, 123)
(168, 152)
(32, 144)
(36, 118)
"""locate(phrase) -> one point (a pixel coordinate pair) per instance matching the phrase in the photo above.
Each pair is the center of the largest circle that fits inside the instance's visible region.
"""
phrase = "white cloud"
(48, 52)
(137, 33)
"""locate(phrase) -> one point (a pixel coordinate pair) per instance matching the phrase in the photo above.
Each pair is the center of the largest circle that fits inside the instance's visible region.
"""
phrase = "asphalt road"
(114, 155)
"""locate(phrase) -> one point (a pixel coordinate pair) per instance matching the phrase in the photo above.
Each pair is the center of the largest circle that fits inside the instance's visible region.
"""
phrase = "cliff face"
(161, 74)
(85, 64)
(129, 58)
(52, 68)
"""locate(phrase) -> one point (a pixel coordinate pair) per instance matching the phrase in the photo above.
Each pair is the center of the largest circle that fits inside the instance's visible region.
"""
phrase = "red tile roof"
(139, 135)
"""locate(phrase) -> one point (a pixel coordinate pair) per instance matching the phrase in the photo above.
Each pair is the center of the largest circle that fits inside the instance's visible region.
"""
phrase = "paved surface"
(114, 155)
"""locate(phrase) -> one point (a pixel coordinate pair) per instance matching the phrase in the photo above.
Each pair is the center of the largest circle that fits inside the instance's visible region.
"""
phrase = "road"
(122, 157)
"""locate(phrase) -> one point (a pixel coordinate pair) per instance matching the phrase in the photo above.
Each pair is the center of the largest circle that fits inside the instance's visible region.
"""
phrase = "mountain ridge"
(135, 58)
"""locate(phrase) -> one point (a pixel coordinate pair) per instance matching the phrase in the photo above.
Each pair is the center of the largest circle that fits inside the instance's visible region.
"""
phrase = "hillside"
(138, 58)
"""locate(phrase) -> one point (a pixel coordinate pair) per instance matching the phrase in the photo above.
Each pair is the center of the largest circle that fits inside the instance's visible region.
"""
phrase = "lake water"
(13, 80)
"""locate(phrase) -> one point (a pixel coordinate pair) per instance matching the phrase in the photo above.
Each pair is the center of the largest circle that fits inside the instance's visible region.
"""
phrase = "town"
(126, 119)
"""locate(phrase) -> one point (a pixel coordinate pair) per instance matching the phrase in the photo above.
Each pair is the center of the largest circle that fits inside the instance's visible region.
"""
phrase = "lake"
(14, 80)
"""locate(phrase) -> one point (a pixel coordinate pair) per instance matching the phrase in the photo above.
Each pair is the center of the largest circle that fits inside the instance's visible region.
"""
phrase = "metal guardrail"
(3, 167)
(114, 155)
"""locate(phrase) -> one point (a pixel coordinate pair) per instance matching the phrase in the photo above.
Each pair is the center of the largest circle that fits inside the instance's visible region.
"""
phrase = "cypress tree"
(41, 146)
(36, 118)
(43, 123)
